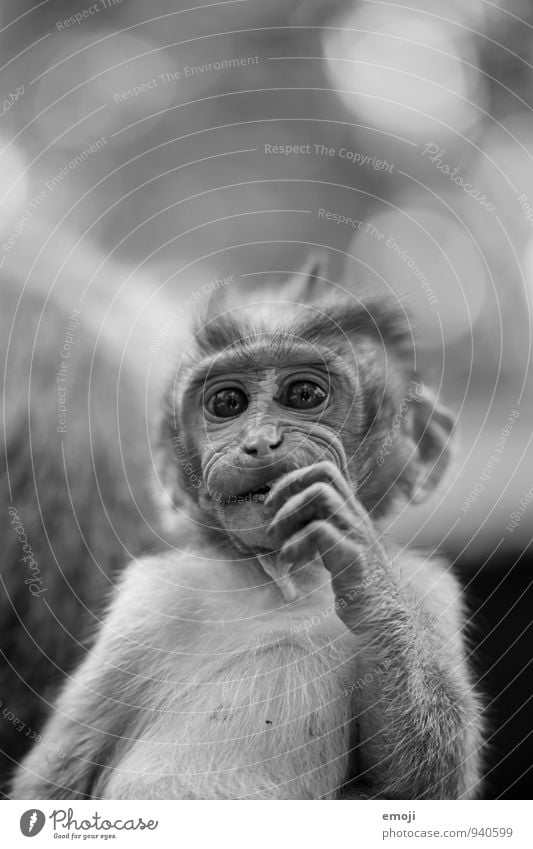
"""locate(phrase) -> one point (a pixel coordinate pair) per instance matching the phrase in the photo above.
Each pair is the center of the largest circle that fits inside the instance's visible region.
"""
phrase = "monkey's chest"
(256, 712)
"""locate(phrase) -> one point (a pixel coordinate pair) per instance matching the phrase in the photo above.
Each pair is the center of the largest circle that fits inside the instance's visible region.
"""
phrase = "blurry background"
(150, 150)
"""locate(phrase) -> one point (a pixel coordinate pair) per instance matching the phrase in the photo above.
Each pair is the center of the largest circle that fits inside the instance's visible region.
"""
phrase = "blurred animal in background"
(285, 649)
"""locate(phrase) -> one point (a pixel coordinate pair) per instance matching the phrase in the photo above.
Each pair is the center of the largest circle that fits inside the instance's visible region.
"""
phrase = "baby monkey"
(284, 649)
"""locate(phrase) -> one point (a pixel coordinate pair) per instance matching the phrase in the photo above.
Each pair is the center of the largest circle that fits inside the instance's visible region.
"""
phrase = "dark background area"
(501, 601)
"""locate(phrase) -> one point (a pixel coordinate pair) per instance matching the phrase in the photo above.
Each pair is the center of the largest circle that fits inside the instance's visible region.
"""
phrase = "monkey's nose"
(262, 441)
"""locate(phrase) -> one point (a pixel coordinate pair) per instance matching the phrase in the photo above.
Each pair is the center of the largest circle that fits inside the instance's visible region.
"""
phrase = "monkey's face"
(259, 402)
(256, 420)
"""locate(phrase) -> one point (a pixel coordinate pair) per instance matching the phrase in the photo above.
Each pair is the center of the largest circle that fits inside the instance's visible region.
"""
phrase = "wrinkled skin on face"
(244, 456)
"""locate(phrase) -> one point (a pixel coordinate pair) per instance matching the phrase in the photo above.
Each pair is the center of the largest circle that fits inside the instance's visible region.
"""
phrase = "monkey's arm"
(96, 710)
(419, 718)
(78, 742)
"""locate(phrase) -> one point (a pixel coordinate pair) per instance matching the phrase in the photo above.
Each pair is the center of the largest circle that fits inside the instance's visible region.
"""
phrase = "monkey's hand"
(316, 510)
(417, 714)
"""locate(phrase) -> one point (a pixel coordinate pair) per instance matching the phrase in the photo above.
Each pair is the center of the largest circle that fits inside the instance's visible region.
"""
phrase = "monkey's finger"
(318, 501)
(304, 543)
(339, 555)
(354, 565)
(319, 536)
(299, 479)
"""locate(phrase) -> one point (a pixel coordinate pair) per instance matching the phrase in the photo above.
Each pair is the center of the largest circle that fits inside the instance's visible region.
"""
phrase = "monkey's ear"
(431, 428)
(168, 448)
(309, 282)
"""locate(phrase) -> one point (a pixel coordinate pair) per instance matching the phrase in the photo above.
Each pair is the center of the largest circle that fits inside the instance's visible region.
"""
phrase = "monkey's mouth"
(245, 486)
(250, 496)
(258, 495)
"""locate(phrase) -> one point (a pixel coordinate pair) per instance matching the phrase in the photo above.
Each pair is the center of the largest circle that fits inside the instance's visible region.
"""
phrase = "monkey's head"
(281, 384)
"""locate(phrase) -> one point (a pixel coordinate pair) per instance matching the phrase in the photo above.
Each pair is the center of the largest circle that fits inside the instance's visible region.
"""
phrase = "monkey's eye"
(303, 395)
(227, 403)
